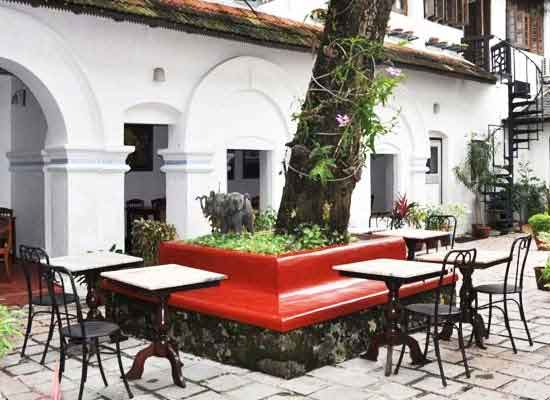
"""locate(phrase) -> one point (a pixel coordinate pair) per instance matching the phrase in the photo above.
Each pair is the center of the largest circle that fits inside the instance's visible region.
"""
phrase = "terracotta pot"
(541, 282)
(540, 244)
(480, 231)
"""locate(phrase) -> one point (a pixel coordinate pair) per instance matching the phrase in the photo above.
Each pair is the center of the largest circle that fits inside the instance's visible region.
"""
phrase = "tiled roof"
(197, 16)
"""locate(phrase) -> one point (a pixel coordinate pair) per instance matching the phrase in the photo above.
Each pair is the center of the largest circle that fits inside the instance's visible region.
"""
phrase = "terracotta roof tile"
(213, 19)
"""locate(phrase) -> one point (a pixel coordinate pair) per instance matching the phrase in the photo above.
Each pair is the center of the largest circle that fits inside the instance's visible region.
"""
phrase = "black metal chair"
(437, 314)
(380, 221)
(135, 203)
(442, 223)
(35, 263)
(511, 286)
(85, 333)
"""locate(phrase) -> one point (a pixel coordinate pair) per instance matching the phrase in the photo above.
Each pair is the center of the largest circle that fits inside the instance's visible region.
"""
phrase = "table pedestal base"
(161, 347)
(164, 350)
(393, 334)
(469, 314)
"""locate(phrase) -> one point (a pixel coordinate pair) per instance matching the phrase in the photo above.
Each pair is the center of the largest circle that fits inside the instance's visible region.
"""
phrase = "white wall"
(149, 185)
(28, 133)
(5, 140)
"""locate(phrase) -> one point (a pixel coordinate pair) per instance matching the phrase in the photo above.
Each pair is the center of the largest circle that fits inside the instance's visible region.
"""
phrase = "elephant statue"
(228, 212)
(239, 212)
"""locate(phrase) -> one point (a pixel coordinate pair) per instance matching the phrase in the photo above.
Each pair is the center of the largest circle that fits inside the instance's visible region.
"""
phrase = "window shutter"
(429, 9)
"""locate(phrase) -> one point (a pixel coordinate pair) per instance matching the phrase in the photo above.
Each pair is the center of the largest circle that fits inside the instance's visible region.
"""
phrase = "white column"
(188, 175)
(84, 198)
(5, 140)
(416, 186)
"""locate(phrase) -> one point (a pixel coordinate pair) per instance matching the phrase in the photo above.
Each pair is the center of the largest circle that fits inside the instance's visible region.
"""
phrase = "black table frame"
(393, 335)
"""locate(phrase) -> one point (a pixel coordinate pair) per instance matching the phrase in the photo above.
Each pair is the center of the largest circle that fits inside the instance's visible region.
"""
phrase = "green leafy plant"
(147, 236)
(10, 328)
(528, 193)
(540, 223)
(545, 274)
(475, 172)
(265, 220)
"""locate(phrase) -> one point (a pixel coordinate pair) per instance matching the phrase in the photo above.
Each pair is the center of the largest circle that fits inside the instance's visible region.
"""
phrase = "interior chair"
(81, 332)
(135, 203)
(36, 268)
(437, 314)
(508, 290)
(6, 241)
(159, 206)
(441, 223)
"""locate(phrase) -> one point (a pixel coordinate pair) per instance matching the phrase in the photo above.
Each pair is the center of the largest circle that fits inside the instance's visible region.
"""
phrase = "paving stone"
(286, 397)
(406, 376)
(26, 396)
(265, 378)
(488, 363)
(156, 380)
(361, 364)
(451, 370)
(225, 383)
(201, 371)
(528, 389)
(27, 367)
(478, 393)
(304, 385)
(340, 392)
(209, 396)
(434, 385)
(175, 392)
(345, 377)
(487, 379)
(254, 391)
(394, 391)
(526, 371)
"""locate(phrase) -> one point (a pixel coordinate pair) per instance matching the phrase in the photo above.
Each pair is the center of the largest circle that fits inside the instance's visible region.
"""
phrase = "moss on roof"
(198, 16)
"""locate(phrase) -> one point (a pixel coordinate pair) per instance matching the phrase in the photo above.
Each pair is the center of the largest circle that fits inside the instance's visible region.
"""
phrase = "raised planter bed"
(283, 315)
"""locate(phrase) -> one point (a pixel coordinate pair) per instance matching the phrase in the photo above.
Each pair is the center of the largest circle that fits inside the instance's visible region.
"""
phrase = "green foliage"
(265, 220)
(147, 236)
(349, 106)
(475, 172)
(529, 193)
(267, 242)
(10, 328)
(540, 223)
(545, 273)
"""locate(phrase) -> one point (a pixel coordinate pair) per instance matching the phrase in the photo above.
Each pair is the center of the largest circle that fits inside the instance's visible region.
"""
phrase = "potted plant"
(528, 193)
(542, 275)
(402, 212)
(540, 225)
(147, 236)
(10, 328)
(475, 173)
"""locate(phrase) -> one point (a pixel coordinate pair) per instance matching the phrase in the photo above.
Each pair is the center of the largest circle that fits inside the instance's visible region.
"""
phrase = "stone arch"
(241, 75)
(69, 105)
(152, 113)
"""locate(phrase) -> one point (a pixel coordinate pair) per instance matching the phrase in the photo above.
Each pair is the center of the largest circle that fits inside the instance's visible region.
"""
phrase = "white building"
(212, 83)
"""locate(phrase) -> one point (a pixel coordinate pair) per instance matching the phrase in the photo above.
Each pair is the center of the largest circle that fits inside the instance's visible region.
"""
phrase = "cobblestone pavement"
(497, 373)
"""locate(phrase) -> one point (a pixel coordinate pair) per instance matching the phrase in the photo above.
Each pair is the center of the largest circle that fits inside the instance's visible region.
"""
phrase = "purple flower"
(343, 120)
(393, 72)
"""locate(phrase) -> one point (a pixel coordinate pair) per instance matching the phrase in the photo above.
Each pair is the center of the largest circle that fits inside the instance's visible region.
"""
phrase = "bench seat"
(288, 300)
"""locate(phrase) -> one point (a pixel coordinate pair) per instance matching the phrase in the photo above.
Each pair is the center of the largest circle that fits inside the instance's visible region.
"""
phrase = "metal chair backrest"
(35, 263)
(443, 223)
(135, 203)
(516, 265)
(380, 220)
(6, 212)
(453, 261)
(63, 279)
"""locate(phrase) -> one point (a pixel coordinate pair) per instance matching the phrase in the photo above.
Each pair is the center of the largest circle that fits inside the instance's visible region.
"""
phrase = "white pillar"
(416, 186)
(188, 175)
(5, 140)
(84, 198)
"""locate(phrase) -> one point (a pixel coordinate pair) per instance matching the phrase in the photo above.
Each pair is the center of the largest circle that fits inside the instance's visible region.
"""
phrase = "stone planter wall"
(286, 355)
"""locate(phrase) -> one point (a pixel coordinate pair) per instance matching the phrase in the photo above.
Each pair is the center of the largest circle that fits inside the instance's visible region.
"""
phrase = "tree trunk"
(306, 200)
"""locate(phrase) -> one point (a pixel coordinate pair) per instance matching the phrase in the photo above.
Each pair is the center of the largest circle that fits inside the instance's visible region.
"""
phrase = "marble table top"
(95, 260)
(415, 234)
(390, 268)
(484, 258)
(162, 277)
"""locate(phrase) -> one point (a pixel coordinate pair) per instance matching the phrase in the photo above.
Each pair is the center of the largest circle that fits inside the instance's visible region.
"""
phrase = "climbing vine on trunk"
(338, 123)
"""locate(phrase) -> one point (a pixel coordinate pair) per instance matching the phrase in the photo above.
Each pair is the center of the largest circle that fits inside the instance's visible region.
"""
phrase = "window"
(447, 12)
(433, 161)
(230, 165)
(400, 6)
(524, 24)
(251, 164)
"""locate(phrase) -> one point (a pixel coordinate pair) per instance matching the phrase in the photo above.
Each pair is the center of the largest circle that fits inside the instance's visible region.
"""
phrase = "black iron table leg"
(392, 334)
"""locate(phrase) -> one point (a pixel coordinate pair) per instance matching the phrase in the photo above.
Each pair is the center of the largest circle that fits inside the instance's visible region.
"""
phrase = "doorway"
(434, 175)
(382, 173)
(244, 173)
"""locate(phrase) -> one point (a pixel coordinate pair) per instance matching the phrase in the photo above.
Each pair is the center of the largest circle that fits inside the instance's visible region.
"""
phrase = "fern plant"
(10, 328)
